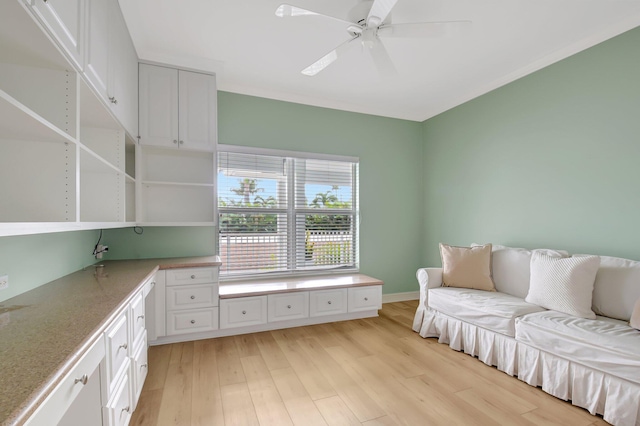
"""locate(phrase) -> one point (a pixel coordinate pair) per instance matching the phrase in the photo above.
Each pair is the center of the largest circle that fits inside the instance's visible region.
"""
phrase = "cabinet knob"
(244, 312)
(84, 379)
(175, 141)
(181, 142)
(329, 302)
(288, 306)
(153, 283)
(127, 408)
(366, 298)
(193, 277)
(123, 346)
(143, 366)
(193, 297)
(140, 316)
(193, 321)
(113, 100)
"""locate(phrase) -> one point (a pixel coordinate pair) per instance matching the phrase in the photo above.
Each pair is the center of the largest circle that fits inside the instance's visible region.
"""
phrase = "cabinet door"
(97, 55)
(198, 111)
(64, 19)
(158, 106)
(123, 72)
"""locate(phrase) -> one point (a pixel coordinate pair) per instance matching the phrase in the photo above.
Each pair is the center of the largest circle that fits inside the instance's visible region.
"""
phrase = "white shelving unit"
(65, 162)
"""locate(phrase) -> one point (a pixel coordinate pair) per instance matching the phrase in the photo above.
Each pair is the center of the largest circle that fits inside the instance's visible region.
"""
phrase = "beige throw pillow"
(467, 267)
(635, 316)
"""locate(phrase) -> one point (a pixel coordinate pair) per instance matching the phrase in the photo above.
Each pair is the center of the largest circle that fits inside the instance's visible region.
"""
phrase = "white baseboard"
(400, 297)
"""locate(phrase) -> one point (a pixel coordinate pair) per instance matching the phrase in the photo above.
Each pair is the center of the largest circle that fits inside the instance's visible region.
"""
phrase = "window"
(281, 212)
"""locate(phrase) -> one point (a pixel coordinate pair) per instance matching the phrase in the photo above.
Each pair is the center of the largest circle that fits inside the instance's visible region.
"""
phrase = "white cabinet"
(97, 53)
(243, 311)
(191, 300)
(177, 108)
(287, 306)
(118, 410)
(66, 21)
(117, 348)
(76, 399)
(328, 302)
(365, 298)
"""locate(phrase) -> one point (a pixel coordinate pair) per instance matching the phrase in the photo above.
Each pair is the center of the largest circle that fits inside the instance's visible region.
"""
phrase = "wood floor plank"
(229, 366)
(380, 421)
(299, 404)
(237, 406)
(267, 402)
(158, 362)
(206, 407)
(336, 412)
(175, 406)
(246, 345)
(270, 351)
(146, 414)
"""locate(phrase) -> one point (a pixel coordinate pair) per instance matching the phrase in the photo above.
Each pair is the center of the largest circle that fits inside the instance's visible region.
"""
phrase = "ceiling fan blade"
(382, 60)
(424, 29)
(287, 11)
(327, 59)
(380, 9)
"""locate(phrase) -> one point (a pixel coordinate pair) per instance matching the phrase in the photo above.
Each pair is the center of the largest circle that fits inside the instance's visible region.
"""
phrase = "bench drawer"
(328, 302)
(243, 311)
(365, 298)
(288, 306)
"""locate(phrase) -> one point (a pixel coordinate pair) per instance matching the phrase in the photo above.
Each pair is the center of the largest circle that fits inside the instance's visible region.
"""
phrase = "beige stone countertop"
(254, 287)
(43, 332)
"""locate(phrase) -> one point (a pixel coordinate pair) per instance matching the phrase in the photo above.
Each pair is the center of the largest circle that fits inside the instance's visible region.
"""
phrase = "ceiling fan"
(368, 21)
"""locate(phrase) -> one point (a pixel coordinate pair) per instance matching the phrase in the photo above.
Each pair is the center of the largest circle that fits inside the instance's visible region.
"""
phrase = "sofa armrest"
(427, 278)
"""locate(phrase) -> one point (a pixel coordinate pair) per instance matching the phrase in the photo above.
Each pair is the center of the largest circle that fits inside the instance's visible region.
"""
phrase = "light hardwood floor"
(365, 372)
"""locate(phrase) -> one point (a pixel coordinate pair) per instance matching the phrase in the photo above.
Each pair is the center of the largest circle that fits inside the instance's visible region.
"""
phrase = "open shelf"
(102, 192)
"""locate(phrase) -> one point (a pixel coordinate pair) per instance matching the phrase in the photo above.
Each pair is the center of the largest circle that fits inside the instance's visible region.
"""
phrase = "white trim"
(400, 297)
(285, 153)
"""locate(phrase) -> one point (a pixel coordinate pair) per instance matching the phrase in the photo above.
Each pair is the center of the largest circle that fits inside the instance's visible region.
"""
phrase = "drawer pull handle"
(127, 408)
(84, 379)
(244, 312)
(193, 297)
(143, 366)
(366, 298)
(193, 321)
(193, 277)
(123, 346)
(140, 316)
(153, 283)
(113, 100)
(329, 302)
(288, 306)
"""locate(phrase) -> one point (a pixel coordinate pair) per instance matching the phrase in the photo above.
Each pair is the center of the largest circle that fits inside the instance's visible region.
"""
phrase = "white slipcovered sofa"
(595, 363)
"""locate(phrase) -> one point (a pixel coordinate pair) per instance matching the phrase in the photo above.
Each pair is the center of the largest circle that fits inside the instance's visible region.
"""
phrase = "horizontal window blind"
(286, 214)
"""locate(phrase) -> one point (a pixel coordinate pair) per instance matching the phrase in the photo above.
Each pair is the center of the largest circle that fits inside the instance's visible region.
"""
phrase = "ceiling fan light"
(373, 22)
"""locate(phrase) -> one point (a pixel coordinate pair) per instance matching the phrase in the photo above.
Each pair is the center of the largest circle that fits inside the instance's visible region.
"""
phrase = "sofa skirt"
(617, 400)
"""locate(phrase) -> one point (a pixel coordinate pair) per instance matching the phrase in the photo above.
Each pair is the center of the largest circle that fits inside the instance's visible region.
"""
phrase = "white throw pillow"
(635, 316)
(563, 284)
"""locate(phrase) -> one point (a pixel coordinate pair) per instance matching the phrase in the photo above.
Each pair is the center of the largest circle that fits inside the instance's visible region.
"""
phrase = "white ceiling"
(256, 53)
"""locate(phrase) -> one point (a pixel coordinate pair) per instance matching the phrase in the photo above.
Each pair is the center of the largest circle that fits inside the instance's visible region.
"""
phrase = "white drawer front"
(243, 311)
(192, 321)
(192, 296)
(288, 306)
(328, 302)
(85, 376)
(117, 350)
(365, 298)
(140, 369)
(188, 276)
(137, 317)
(118, 410)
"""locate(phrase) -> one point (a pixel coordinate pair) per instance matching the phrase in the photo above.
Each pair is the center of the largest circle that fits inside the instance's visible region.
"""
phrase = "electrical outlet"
(4, 282)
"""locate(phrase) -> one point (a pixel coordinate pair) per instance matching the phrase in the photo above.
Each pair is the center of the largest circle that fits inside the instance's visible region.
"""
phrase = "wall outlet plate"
(4, 282)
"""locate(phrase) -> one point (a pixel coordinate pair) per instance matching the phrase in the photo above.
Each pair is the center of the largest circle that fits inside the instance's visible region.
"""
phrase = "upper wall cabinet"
(111, 64)
(65, 19)
(177, 108)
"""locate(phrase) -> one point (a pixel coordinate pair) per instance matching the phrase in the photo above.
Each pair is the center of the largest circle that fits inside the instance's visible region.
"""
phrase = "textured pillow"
(635, 316)
(467, 267)
(510, 268)
(563, 284)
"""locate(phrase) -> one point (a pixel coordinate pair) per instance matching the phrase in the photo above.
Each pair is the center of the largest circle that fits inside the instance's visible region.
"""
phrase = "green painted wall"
(551, 160)
(160, 242)
(33, 260)
(390, 153)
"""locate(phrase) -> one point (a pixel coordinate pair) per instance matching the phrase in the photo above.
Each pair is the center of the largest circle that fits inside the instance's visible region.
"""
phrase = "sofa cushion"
(563, 284)
(603, 344)
(510, 268)
(494, 311)
(617, 287)
(467, 267)
(635, 316)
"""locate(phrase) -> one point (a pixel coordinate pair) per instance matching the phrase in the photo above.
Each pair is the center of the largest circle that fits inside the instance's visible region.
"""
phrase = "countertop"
(45, 330)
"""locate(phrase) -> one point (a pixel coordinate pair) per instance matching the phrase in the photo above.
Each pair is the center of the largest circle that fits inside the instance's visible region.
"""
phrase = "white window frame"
(292, 211)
